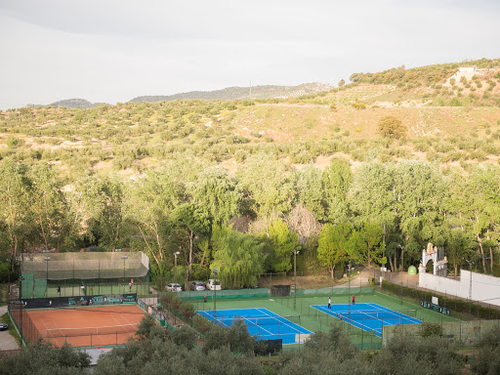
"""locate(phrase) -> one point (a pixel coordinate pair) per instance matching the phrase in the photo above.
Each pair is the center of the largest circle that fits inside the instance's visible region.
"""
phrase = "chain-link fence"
(457, 308)
(51, 275)
(460, 332)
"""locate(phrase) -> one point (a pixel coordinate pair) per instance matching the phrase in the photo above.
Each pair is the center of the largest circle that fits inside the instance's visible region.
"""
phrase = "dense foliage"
(212, 179)
(231, 351)
(198, 211)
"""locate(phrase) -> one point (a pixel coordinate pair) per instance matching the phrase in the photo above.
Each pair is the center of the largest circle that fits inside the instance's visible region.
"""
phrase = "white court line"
(281, 322)
(345, 318)
(397, 314)
(241, 317)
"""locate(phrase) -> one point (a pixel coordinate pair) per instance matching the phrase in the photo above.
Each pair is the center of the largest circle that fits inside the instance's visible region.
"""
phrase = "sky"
(114, 50)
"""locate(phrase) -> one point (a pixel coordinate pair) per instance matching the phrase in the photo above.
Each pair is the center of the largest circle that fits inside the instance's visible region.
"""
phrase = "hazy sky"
(113, 50)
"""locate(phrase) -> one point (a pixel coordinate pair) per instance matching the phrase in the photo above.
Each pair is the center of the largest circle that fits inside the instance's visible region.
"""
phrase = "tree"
(267, 185)
(391, 127)
(218, 193)
(239, 257)
(13, 200)
(412, 355)
(336, 243)
(370, 242)
(336, 181)
(372, 194)
(486, 360)
(149, 204)
(484, 190)
(419, 189)
(235, 336)
(284, 243)
(304, 223)
(310, 190)
(190, 222)
(84, 206)
(459, 246)
(43, 358)
(110, 222)
(46, 203)
(326, 353)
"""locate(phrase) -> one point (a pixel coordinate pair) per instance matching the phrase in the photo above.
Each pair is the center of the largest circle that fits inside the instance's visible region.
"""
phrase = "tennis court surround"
(83, 327)
(315, 320)
(367, 316)
(263, 323)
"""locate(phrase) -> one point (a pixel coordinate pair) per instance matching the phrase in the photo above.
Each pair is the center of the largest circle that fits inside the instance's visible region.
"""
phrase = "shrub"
(391, 127)
(358, 105)
(14, 142)
(431, 329)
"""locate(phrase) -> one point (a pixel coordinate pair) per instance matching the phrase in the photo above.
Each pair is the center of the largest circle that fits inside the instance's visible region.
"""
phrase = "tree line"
(231, 350)
(255, 220)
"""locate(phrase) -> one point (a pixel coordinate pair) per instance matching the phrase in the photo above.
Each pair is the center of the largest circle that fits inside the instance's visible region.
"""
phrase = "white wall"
(484, 288)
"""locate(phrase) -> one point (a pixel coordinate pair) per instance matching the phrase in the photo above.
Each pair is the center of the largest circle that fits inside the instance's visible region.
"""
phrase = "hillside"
(237, 93)
(453, 118)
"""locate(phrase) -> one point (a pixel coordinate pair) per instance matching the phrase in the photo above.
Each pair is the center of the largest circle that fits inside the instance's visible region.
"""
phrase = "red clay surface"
(99, 326)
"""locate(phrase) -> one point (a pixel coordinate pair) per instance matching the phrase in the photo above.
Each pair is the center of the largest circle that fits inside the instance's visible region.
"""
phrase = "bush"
(431, 329)
(391, 127)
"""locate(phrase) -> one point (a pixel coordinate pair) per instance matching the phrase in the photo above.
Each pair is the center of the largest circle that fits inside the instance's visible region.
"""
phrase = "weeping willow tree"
(239, 257)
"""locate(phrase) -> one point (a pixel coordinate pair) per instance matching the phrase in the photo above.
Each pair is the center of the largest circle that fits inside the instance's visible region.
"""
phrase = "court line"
(242, 317)
(350, 321)
(281, 322)
(265, 313)
(397, 313)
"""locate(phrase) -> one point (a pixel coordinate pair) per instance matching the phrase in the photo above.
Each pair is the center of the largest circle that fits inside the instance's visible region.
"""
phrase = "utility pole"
(295, 252)
(215, 294)
(250, 90)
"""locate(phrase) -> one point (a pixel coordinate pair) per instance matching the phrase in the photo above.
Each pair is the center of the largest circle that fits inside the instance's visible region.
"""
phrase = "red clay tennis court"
(87, 326)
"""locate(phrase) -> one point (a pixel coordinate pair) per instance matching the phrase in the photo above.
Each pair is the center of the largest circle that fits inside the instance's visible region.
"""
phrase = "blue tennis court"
(263, 323)
(367, 316)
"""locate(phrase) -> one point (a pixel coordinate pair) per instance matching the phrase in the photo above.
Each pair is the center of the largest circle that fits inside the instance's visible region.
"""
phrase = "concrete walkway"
(7, 342)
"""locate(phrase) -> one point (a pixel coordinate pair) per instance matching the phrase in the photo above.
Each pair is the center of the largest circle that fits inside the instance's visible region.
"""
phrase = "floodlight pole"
(349, 281)
(21, 278)
(295, 252)
(176, 254)
(215, 294)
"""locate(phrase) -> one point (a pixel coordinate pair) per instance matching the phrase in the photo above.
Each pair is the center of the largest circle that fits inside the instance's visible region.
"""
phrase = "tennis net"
(87, 331)
(261, 320)
(359, 315)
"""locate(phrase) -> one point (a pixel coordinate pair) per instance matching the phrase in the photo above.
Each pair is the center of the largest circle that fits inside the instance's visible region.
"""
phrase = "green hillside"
(212, 178)
(448, 119)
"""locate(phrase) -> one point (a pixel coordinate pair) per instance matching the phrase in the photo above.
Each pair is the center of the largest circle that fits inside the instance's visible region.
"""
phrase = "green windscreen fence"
(225, 294)
(336, 291)
(40, 288)
(84, 274)
(27, 285)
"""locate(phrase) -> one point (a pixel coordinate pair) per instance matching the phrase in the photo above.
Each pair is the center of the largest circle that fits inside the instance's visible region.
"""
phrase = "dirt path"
(7, 342)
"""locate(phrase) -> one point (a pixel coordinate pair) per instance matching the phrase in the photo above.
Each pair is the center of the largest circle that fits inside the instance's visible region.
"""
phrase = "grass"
(3, 294)
(287, 123)
(315, 321)
(6, 319)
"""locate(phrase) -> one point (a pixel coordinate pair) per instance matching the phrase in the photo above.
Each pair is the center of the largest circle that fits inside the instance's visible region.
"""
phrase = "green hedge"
(459, 308)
